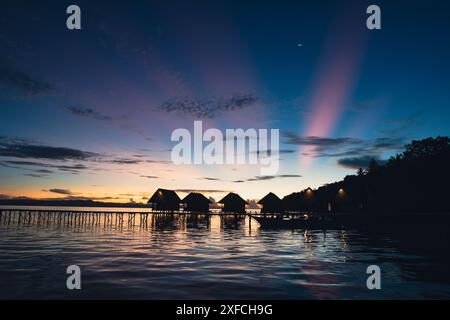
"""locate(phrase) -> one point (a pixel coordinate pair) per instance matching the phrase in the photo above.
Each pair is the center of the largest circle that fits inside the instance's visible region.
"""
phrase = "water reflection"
(130, 255)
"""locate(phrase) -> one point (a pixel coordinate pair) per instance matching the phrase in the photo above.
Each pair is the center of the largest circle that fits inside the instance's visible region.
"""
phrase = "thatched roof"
(164, 196)
(233, 197)
(269, 198)
(195, 197)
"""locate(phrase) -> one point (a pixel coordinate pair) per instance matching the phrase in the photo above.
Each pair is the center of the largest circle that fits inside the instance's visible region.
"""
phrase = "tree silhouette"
(415, 180)
(373, 166)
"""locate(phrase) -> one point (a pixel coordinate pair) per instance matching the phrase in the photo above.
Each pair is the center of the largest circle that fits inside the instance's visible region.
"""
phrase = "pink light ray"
(335, 80)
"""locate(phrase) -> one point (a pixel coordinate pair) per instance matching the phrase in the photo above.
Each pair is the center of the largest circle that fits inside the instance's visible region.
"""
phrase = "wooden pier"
(67, 217)
(73, 218)
(62, 217)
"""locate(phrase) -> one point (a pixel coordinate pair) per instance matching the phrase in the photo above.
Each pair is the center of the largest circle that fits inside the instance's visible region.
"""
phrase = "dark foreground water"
(183, 257)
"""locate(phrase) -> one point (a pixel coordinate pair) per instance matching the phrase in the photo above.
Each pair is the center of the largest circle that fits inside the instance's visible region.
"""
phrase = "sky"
(88, 114)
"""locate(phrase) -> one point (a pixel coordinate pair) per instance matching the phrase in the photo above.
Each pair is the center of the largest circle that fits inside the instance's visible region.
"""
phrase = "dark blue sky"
(112, 91)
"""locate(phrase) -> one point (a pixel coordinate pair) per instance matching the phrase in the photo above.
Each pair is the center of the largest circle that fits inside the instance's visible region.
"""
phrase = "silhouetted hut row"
(168, 201)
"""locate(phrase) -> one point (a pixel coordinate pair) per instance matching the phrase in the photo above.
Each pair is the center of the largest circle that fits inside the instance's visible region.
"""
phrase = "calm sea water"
(185, 257)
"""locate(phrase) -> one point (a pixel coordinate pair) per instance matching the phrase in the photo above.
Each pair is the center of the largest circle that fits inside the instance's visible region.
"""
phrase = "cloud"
(293, 138)
(44, 171)
(24, 153)
(388, 143)
(345, 146)
(11, 77)
(201, 190)
(262, 178)
(210, 179)
(4, 196)
(358, 162)
(59, 191)
(87, 113)
(75, 168)
(150, 177)
(158, 161)
(40, 173)
(68, 197)
(21, 148)
(208, 107)
(88, 198)
(124, 161)
(256, 178)
(289, 176)
(155, 150)
(259, 178)
(35, 175)
(139, 194)
(132, 161)
(269, 152)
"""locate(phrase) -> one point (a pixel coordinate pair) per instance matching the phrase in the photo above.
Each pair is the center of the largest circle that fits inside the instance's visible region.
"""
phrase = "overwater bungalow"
(164, 200)
(271, 203)
(196, 202)
(232, 202)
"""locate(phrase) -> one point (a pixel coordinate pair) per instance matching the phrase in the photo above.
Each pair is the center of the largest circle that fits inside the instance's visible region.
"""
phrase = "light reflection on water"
(186, 257)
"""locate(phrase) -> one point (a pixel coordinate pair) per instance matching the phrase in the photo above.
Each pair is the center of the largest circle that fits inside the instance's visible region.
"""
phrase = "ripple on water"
(215, 260)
